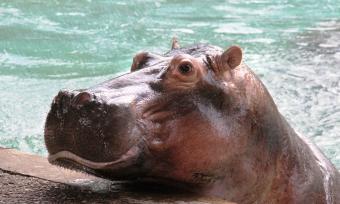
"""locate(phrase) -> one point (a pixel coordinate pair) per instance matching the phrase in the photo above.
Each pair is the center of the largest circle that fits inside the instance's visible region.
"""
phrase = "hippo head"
(188, 116)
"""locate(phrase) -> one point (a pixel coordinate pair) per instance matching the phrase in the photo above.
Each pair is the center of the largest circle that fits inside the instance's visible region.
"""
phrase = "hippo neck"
(299, 165)
(282, 158)
(275, 157)
(307, 169)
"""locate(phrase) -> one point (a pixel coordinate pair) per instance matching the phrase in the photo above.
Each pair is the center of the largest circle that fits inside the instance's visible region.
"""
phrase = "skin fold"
(195, 117)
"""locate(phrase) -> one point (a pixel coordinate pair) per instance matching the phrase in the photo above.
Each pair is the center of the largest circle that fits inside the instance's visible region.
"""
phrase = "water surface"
(294, 46)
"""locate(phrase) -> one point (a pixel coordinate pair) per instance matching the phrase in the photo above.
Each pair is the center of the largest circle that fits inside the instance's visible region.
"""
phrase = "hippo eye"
(185, 68)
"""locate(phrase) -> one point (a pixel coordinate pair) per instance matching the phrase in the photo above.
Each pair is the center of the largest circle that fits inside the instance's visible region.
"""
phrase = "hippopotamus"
(195, 117)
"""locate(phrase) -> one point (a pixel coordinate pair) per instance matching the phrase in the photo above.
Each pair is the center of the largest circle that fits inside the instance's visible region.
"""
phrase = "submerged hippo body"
(194, 117)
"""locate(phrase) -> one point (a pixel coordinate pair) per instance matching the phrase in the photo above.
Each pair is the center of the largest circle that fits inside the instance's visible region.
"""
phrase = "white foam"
(237, 28)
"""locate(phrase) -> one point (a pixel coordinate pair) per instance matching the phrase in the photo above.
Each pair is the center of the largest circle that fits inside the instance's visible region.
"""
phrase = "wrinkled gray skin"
(196, 118)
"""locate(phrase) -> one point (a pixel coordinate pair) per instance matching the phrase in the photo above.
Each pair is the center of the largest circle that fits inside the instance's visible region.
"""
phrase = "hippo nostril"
(82, 99)
(62, 96)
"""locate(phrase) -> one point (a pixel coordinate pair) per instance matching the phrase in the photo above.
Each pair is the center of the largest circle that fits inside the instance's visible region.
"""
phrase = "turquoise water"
(294, 46)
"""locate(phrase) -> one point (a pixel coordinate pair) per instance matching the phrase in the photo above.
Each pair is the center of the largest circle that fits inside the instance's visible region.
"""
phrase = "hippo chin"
(197, 117)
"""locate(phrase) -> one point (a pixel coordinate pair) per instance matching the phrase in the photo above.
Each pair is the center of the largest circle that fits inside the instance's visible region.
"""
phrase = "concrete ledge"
(26, 178)
(37, 166)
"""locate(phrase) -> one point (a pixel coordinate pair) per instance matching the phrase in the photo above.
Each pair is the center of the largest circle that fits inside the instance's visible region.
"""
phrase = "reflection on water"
(49, 45)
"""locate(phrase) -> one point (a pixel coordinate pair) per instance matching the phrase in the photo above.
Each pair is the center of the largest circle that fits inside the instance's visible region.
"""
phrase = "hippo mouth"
(119, 168)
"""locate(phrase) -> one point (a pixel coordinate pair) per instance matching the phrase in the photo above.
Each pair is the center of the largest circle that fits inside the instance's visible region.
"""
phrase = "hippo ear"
(232, 57)
(175, 43)
(139, 60)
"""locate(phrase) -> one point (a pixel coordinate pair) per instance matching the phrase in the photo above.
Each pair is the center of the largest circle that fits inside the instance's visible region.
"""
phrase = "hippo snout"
(81, 123)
